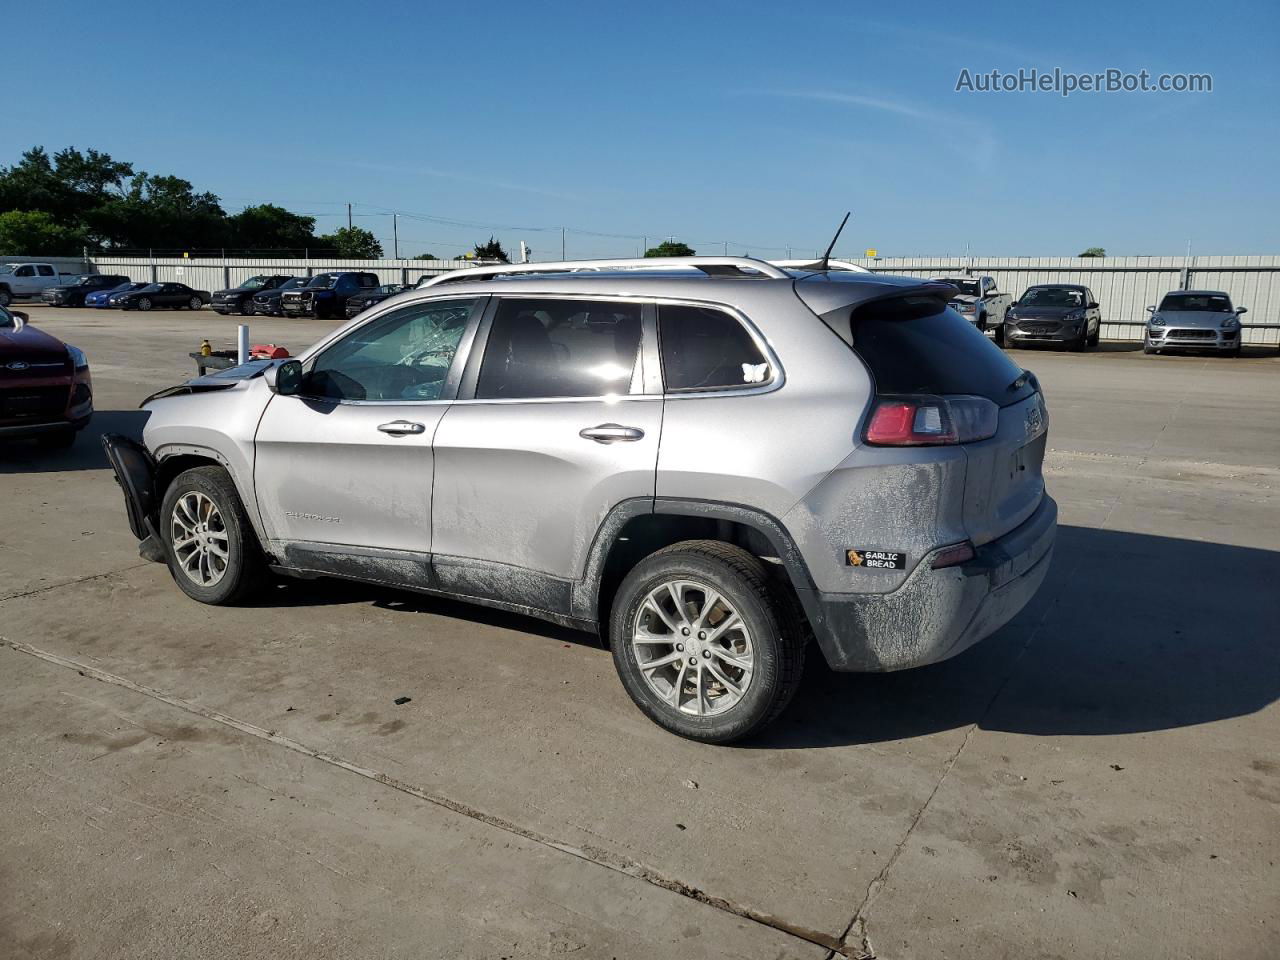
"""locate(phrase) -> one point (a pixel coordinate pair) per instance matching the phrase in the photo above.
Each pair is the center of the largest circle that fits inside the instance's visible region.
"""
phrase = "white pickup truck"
(26, 281)
(981, 303)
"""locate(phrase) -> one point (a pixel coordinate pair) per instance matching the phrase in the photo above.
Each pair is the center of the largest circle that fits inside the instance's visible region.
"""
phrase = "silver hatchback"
(712, 462)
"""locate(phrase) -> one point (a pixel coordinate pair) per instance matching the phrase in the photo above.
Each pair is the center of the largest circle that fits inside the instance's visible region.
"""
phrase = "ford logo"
(17, 365)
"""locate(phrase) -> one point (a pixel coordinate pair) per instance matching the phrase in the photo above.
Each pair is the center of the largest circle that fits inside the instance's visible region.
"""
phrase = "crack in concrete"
(595, 855)
(72, 583)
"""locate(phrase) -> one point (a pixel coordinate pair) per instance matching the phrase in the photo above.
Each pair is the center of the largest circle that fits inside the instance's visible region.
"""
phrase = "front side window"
(707, 349)
(404, 355)
(560, 348)
(45, 270)
(25, 272)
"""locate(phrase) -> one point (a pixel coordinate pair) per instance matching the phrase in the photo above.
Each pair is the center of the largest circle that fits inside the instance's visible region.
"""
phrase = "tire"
(144, 303)
(6, 297)
(183, 513)
(1079, 343)
(246, 307)
(1147, 348)
(195, 303)
(1096, 337)
(769, 641)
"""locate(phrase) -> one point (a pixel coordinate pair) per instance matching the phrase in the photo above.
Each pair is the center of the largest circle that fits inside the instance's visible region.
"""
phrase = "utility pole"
(348, 216)
(726, 248)
(562, 243)
(395, 233)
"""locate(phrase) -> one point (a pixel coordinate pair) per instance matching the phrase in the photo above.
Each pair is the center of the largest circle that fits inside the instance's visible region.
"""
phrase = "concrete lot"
(1099, 779)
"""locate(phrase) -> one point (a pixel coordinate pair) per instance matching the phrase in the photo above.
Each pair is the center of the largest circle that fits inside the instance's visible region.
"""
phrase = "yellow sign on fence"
(872, 253)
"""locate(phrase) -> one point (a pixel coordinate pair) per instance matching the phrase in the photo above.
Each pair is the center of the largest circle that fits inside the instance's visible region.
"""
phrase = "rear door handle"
(611, 432)
(400, 427)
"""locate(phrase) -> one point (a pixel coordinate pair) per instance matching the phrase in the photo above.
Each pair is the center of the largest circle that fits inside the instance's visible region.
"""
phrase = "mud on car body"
(843, 460)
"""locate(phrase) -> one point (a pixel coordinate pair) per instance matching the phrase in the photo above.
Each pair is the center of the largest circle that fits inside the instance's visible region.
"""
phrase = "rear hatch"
(914, 346)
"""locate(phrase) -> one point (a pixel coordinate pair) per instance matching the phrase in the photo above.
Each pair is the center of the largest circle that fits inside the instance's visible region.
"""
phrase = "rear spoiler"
(833, 302)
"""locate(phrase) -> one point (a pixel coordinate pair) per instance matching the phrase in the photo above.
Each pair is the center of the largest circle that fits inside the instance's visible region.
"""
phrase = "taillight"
(953, 555)
(926, 421)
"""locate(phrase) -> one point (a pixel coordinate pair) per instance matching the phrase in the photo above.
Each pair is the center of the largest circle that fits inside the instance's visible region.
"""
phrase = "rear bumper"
(937, 614)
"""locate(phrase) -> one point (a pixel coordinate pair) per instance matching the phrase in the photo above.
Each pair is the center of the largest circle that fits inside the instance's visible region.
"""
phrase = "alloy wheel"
(199, 537)
(693, 648)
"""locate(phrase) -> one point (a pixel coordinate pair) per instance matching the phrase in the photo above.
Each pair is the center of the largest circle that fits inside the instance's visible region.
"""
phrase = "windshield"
(1052, 297)
(390, 288)
(254, 283)
(1211, 302)
(323, 280)
(6, 269)
(968, 288)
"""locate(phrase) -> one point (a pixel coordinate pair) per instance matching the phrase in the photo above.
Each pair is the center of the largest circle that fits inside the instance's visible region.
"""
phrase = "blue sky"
(710, 122)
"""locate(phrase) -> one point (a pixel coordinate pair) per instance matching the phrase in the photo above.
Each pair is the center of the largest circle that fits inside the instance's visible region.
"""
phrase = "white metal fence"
(1124, 286)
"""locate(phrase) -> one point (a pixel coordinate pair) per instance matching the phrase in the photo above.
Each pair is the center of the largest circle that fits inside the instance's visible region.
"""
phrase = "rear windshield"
(918, 345)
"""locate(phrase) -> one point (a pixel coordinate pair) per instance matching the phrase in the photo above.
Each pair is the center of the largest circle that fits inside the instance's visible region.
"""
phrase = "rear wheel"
(704, 644)
(195, 303)
(210, 546)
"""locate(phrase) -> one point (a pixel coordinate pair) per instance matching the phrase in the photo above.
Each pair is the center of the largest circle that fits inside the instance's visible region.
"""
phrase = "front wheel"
(144, 303)
(246, 307)
(704, 644)
(6, 298)
(210, 546)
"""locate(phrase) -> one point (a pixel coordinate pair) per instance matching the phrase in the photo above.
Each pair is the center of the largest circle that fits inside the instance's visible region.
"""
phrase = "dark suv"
(326, 294)
(266, 303)
(240, 299)
(72, 295)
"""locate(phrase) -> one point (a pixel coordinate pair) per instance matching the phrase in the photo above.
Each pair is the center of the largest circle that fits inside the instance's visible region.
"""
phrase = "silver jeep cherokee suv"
(709, 461)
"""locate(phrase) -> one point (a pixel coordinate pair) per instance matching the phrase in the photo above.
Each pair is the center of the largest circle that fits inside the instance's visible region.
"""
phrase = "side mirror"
(284, 378)
(1093, 305)
(1151, 309)
(1242, 309)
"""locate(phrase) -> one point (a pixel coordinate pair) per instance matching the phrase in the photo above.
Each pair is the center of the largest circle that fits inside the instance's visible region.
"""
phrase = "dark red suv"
(45, 388)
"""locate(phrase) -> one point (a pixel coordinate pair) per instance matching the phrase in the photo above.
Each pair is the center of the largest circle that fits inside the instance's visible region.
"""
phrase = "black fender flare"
(586, 591)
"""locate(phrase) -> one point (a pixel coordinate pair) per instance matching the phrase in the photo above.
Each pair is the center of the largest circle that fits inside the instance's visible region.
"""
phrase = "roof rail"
(711, 266)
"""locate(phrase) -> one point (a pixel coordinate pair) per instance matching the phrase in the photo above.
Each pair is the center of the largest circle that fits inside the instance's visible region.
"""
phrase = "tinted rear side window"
(917, 345)
(560, 348)
(707, 349)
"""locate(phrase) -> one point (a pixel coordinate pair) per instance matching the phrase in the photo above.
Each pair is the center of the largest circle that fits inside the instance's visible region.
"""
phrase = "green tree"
(353, 243)
(491, 251)
(34, 233)
(1093, 252)
(670, 248)
(268, 227)
(426, 256)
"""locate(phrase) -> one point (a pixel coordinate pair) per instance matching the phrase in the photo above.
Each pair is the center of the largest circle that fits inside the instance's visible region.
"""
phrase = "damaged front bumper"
(937, 614)
(135, 472)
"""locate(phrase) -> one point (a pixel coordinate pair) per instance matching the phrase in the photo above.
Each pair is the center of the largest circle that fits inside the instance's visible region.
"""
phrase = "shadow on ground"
(28, 456)
(1129, 633)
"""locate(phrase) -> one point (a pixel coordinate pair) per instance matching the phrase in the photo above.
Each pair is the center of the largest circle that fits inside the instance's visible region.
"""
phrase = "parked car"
(326, 294)
(979, 302)
(1064, 313)
(28, 281)
(363, 301)
(46, 391)
(172, 296)
(707, 469)
(100, 299)
(1194, 320)
(73, 294)
(240, 299)
(266, 303)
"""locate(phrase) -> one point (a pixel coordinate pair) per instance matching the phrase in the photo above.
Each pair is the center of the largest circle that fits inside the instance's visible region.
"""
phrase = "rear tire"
(754, 639)
(209, 544)
(195, 303)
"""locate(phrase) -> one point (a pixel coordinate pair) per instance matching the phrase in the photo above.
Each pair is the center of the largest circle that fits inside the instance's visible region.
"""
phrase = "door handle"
(398, 428)
(609, 432)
